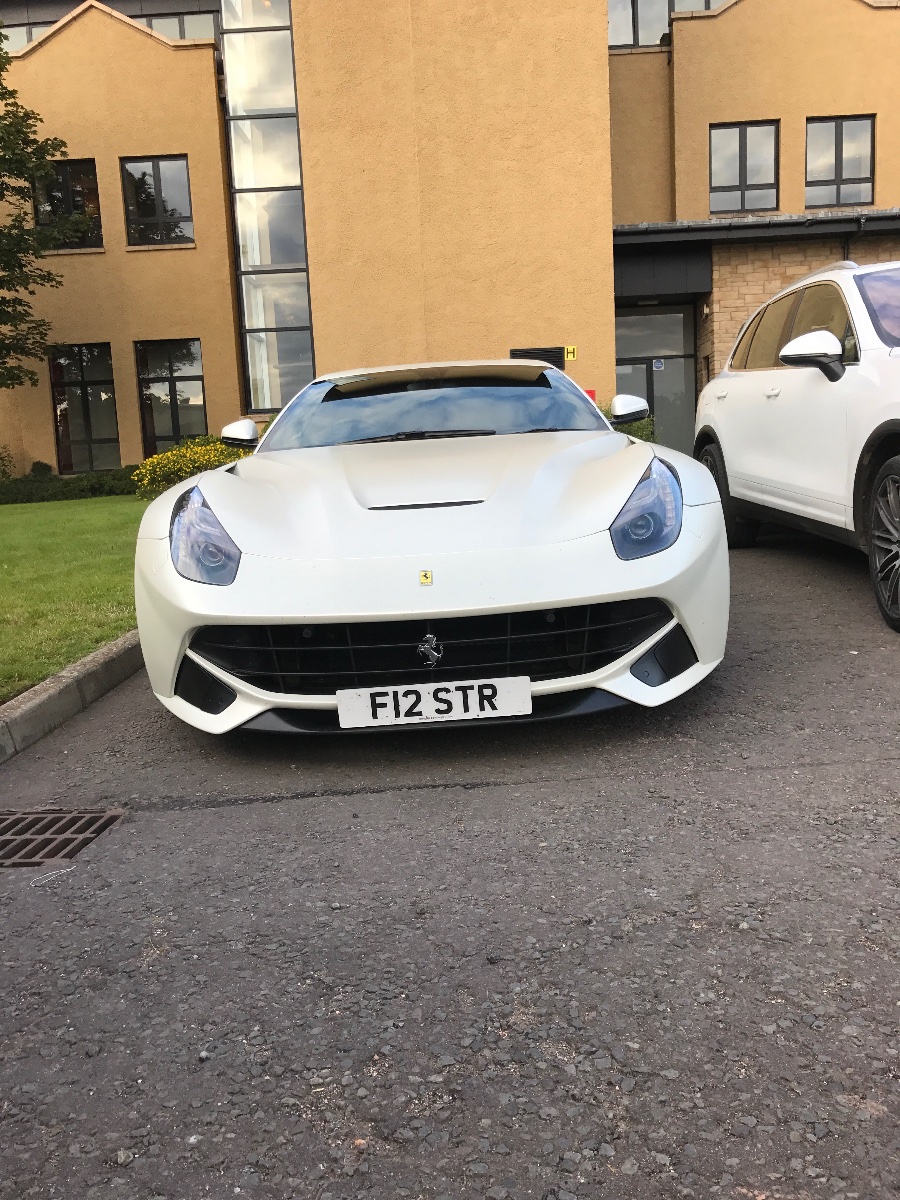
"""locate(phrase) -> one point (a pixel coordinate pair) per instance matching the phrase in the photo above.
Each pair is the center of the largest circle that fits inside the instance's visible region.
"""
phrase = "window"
(183, 25)
(17, 37)
(157, 201)
(739, 357)
(840, 161)
(823, 307)
(881, 292)
(646, 22)
(71, 191)
(772, 334)
(84, 404)
(743, 167)
(173, 405)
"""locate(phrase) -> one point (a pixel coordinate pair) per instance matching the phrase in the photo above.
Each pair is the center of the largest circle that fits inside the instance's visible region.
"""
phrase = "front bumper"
(691, 577)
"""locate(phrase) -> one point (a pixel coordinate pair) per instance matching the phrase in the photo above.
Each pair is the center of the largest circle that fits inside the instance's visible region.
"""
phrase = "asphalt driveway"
(644, 954)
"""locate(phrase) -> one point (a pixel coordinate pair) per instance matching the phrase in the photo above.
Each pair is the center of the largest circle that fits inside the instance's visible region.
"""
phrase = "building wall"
(112, 89)
(643, 155)
(757, 60)
(745, 276)
(456, 165)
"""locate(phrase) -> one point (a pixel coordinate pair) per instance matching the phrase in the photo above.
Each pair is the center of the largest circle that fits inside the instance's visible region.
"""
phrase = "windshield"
(328, 415)
(881, 292)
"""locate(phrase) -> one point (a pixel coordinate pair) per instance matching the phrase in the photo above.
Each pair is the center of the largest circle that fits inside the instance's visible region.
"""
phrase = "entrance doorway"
(656, 360)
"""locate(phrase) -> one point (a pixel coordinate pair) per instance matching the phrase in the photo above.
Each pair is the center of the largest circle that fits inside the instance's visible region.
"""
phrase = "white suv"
(802, 427)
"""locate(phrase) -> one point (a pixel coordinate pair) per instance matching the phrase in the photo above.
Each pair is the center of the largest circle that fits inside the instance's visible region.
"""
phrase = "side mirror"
(241, 433)
(818, 349)
(625, 409)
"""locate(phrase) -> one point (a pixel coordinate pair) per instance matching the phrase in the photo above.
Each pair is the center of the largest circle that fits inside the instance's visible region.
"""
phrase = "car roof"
(834, 273)
(526, 369)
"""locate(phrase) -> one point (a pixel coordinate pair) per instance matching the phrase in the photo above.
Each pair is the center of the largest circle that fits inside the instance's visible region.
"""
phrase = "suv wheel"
(884, 541)
(741, 533)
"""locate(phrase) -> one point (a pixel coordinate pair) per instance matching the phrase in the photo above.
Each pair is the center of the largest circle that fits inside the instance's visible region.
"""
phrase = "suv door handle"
(772, 392)
(721, 395)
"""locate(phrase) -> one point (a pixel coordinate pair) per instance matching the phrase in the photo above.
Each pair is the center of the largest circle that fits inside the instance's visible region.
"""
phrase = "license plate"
(414, 704)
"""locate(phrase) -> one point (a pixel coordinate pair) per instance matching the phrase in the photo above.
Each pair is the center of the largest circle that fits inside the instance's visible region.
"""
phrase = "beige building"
(284, 187)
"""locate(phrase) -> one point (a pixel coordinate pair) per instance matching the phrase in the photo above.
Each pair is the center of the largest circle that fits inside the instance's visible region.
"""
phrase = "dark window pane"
(153, 360)
(65, 364)
(255, 14)
(70, 402)
(173, 178)
(186, 358)
(270, 229)
(739, 357)
(821, 307)
(105, 457)
(654, 334)
(81, 457)
(191, 409)
(770, 335)
(760, 154)
(265, 153)
(725, 202)
(140, 190)
(276, 301)
(821, 195)
(97, 360)
(85, 193)
(881, 292)
(820, 150)
(101, 404)
(856, 193)
(724, 145)
(621, 29)
(156, 396)
(259, 72)
(280, 366)
(653, 21)
(857, 149)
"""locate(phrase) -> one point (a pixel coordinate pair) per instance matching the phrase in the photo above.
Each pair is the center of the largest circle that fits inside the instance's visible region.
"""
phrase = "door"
(807, 416)
(743, 419)
(655, 360)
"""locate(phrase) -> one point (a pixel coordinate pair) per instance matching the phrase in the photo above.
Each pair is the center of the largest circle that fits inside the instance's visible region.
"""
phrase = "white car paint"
(313, 550)
(793, 441)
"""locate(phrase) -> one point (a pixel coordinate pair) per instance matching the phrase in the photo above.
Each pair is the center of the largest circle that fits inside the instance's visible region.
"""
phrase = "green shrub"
(6, 464)
(643, 430)
(41, 469)
(34, 489)
(163, 471)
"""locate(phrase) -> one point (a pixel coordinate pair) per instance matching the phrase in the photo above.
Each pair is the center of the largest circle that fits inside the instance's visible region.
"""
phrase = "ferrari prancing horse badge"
(426, 579)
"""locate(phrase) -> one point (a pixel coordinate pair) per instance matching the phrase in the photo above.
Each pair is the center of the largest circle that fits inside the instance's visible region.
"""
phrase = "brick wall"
(745, 276)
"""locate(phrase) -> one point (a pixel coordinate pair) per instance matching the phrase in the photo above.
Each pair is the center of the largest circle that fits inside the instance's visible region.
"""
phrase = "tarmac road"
(643, 954)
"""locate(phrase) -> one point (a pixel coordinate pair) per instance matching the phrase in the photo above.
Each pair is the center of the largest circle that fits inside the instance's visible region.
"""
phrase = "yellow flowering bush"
(189, 458)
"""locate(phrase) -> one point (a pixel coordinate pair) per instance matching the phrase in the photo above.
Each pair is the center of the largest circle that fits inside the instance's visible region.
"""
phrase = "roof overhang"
(760, 229)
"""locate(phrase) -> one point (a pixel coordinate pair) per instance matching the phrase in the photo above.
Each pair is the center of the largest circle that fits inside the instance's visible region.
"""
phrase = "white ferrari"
(437, 543)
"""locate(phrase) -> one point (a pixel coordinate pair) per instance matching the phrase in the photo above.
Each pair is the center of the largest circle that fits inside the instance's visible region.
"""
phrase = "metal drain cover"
(30, 839)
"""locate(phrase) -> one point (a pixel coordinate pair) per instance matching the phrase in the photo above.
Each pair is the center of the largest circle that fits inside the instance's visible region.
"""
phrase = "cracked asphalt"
(642, 954)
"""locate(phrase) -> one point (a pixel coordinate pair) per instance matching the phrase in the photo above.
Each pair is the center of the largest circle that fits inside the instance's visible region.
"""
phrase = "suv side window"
(823, 307)
(771, 335)
(739, 358)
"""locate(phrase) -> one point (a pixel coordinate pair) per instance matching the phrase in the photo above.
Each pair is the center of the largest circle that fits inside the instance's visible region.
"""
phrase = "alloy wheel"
(885, 536)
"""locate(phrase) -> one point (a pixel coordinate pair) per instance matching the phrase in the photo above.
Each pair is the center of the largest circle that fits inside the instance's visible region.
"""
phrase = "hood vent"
(436, 504)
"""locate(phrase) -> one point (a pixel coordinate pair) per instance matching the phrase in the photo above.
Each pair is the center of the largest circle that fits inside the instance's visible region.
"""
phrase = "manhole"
(29, 839)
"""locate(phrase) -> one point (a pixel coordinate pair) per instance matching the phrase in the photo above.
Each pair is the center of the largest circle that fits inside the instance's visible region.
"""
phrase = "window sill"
(78, 250)
(639, 50)
(165, 246)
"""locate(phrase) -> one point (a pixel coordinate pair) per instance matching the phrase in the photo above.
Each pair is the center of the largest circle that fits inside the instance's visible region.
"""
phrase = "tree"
(24, 158)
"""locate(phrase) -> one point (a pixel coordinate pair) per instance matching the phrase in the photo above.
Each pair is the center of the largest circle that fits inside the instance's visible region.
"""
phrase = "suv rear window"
(881, 292)
(326, 414)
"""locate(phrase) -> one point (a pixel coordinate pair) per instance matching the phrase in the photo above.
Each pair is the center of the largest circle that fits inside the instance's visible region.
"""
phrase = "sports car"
(447, 542)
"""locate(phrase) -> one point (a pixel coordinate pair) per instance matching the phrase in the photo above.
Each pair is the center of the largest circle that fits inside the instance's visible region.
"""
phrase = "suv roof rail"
(844, 265)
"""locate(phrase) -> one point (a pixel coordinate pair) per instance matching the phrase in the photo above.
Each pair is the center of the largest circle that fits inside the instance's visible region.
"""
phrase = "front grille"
(304, 660)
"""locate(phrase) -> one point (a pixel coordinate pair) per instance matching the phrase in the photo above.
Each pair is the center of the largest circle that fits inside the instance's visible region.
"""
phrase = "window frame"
(839, 180)
(636, 44)
(143, 19)
(83, 385)
(158, 220)
(92, 238)
(742, 186)
(172, 380)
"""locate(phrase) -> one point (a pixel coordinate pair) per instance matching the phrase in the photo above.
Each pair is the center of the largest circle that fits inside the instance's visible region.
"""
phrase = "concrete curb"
(27, 718)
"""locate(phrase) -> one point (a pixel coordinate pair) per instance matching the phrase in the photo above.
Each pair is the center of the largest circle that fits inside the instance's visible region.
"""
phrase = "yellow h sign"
(571, 353)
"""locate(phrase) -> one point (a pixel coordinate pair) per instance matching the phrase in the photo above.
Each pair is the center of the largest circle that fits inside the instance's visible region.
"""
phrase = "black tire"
(741, 532)
(884, 541)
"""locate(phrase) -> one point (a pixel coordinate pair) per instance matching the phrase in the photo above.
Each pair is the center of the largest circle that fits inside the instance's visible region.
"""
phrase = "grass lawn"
(66, 583)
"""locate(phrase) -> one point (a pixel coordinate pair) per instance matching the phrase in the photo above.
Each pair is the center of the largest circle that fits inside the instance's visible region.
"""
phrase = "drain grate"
(30, 839)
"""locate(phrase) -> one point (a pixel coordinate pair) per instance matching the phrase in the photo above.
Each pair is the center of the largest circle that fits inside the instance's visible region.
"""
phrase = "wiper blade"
(422, 435)
(546, 429)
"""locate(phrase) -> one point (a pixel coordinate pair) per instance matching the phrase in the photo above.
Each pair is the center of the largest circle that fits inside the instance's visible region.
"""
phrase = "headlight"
(201, 549)
(651, 519)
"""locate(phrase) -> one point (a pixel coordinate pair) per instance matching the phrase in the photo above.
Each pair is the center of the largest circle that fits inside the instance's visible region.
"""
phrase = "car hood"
(447, 495)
